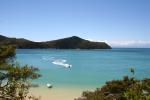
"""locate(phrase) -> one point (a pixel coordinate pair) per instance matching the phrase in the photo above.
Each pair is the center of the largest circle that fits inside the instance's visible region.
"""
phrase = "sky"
(120, 23)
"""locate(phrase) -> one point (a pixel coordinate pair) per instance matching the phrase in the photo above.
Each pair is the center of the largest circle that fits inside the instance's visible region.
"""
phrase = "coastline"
(57, 93)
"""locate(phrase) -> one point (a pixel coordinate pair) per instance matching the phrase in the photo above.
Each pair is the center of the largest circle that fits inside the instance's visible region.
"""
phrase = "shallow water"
(89, 68)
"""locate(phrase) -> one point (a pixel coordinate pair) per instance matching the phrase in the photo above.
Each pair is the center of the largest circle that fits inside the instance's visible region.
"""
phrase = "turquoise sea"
(89, 68)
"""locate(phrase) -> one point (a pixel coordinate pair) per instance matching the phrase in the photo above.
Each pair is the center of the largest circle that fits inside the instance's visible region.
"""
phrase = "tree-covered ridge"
(14, 79)
(73, 42)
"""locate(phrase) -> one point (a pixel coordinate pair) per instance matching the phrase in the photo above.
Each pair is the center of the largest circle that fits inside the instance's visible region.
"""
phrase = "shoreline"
(57, 93)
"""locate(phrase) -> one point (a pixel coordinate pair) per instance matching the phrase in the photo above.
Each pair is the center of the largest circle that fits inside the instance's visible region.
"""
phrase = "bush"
(14, 79)
(125, 89)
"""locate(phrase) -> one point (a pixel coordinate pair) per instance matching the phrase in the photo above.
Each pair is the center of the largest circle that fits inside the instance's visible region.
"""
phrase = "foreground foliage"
(14, 79)
(125, 89)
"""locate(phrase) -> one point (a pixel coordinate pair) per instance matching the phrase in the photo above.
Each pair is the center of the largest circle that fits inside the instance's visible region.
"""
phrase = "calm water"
(91, 68)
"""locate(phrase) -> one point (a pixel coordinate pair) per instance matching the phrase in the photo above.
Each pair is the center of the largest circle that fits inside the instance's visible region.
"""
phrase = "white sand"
(65, 93)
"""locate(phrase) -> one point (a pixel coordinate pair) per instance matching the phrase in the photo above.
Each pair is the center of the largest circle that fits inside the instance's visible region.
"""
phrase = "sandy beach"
(59, 93)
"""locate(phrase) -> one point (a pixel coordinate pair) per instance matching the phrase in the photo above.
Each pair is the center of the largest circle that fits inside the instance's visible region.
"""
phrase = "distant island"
(73, 42)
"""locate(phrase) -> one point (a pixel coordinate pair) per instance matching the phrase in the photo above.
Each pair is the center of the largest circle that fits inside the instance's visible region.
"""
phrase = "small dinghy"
(49, 85)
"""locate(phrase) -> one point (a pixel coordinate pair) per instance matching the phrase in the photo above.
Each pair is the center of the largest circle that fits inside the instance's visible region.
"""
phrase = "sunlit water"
(85, 68)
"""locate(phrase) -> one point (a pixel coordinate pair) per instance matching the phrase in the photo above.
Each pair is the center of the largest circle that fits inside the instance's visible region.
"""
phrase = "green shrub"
(125, 89)
(14, 79)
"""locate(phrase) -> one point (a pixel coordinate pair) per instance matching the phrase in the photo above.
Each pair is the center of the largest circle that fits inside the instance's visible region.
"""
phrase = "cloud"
(130, 43)
(127, 43)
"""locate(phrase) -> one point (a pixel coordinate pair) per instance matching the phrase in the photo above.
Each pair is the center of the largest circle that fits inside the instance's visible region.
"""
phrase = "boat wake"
(60, 62)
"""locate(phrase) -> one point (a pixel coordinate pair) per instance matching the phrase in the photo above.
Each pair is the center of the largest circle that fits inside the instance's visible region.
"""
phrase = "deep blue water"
(91, 68)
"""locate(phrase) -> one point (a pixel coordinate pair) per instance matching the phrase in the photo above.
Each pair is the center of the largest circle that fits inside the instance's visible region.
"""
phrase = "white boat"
(49, 85)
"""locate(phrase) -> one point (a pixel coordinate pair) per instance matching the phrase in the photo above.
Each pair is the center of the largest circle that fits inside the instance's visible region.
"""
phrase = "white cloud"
(126, 43)
(130, 43)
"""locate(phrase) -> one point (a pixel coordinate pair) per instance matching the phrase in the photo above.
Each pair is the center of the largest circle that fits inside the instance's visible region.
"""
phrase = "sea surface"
(85, 68)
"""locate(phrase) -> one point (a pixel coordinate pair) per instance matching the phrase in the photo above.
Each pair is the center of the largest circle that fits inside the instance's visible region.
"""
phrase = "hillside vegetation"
(73, 42)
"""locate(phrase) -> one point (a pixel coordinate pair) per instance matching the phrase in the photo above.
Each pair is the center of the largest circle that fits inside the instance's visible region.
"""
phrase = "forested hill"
(73, 42)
